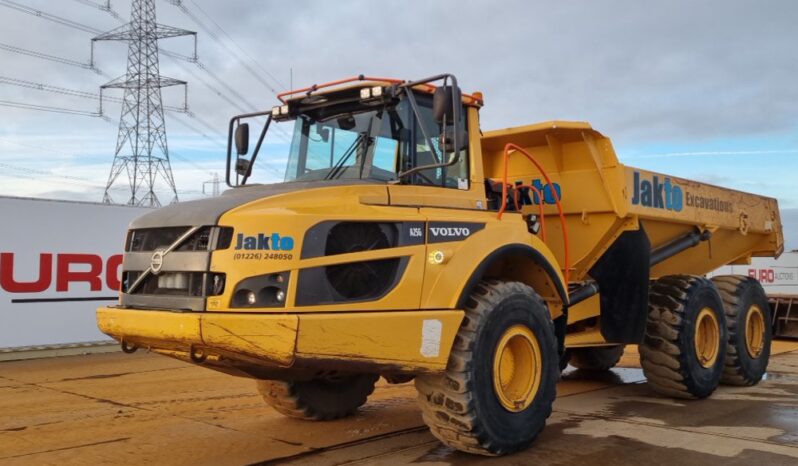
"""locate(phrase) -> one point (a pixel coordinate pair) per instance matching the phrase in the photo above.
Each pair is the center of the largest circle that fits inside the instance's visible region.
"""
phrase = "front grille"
(174, 263)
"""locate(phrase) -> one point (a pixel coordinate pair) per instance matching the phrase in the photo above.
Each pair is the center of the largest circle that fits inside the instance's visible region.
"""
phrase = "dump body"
(618, 217)
(602, 198)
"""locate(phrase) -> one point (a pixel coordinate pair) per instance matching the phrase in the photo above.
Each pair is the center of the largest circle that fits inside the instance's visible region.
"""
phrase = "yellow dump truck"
(403, 242)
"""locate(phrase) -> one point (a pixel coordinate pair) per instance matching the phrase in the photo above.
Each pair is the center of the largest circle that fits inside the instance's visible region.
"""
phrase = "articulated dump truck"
(403, 242)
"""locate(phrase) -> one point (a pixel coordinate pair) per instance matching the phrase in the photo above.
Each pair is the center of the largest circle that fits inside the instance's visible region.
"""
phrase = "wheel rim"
(707, 337)
(517, 368)
(754, 331)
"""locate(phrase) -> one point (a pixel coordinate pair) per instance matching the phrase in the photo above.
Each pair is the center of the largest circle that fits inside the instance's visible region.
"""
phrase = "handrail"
(510, 148)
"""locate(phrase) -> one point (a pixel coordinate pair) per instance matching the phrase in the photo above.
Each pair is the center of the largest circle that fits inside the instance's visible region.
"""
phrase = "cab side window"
(428, 151)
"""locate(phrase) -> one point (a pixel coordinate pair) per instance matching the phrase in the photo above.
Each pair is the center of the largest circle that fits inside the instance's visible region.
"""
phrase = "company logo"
(657, 194)
(772, 276)
(440, 232)
(156, 262)
(530, 197)
(264, 242)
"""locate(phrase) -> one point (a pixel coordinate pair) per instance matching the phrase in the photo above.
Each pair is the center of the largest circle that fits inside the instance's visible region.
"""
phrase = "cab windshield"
(357, 141)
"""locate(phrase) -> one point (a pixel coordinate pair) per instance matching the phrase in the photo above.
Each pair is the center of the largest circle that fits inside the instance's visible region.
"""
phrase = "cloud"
(641, 72)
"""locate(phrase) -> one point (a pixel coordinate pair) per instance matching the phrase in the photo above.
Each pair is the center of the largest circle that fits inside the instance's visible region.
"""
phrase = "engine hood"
(208, 211)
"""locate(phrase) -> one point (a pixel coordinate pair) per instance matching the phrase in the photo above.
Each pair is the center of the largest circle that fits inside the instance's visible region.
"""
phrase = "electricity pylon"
(141, 148)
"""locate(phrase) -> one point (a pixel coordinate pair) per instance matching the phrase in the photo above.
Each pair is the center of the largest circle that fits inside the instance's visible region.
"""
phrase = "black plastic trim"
(507, 250)
(313, 289)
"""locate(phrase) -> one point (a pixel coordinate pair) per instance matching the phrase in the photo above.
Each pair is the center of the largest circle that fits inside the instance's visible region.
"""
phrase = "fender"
(513, 250)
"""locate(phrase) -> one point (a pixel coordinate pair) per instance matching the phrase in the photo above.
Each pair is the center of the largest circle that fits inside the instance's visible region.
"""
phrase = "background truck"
(406, 243)
(779, 279)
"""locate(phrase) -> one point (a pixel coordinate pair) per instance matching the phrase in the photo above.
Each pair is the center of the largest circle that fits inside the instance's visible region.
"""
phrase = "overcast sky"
(698, 89)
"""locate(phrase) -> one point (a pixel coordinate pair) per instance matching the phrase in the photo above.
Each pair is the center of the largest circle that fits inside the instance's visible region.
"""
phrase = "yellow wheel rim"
(707, 337)
(754, 331)
(517, 368)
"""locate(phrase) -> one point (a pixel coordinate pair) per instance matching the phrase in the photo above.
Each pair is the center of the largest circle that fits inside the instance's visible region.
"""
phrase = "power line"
(36, 175)
(190, 162)
(87, 28)
(210, 86)
(106, 7)
(76, 178)
(178, 57)
(279, 83)
(47, 108)
(32, 53)
(50, 17)
(70, 92)
(207, 125)
(181, 5)
(33, 173)
(204, 68)
(200, 132)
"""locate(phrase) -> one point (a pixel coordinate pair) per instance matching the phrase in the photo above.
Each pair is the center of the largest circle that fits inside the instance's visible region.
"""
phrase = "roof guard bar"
(316, 87)
(310, 89)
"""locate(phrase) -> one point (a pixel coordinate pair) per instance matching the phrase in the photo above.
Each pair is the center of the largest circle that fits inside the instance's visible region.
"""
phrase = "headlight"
(268, 290)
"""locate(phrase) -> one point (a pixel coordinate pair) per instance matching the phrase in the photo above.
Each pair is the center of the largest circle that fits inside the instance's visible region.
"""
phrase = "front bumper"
(395, 341)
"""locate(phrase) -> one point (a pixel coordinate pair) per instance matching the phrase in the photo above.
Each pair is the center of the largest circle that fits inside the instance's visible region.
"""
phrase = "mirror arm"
(230, 141)
(454, 160)
(456, 115)
(257, 149)
(230, 149)
(456, 105)
(414, 105)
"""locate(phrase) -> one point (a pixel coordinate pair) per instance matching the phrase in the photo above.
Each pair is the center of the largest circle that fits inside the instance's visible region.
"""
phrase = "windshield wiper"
(344, 157)
(361, 137)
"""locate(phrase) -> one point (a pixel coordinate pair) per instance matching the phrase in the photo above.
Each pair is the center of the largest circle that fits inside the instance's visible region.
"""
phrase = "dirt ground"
(148, 409)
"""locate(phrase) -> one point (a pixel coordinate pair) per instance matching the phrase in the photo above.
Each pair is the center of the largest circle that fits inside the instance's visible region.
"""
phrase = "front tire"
(318, 399)
(500, 381)
(750, 332)
(684, 348)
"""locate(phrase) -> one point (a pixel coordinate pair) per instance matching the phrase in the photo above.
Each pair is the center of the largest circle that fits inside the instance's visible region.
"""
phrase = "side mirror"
(323, 132)
(242, 139)
(242, 167)
(443, 102)
(447, 139)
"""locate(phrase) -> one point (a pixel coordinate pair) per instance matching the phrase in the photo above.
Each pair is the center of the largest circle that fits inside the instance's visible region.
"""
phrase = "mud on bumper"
(395, 341)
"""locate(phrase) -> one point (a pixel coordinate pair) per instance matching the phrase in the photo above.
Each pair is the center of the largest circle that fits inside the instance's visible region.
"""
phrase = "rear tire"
(318, 399)
(599, 358)
(684, 348)
(750, 333)
(500, 381)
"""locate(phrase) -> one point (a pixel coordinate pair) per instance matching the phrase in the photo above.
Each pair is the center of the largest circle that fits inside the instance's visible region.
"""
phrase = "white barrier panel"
(778, 276)
(59, 261)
